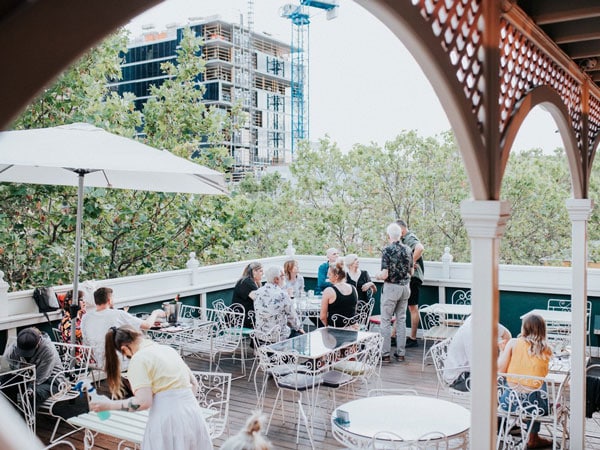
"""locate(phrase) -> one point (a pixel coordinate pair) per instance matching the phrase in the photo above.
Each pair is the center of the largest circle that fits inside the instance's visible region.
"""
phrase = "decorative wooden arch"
(477, 53)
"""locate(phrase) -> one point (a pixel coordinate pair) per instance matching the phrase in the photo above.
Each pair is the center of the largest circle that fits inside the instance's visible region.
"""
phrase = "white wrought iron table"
(410, 418)
(129, 427)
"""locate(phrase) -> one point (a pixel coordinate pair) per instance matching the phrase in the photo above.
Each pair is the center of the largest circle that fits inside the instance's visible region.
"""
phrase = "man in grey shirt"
(34, 347)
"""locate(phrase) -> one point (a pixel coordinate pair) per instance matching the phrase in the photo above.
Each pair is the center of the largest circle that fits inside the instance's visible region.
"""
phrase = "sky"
(364, 85)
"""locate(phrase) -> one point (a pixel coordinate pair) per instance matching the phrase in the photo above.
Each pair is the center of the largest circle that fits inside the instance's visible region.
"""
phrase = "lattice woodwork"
(455, 24)
(594, 122)
(523, 65)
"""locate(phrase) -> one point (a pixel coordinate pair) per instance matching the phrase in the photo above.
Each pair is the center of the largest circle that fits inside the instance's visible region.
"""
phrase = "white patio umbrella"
(71, 154)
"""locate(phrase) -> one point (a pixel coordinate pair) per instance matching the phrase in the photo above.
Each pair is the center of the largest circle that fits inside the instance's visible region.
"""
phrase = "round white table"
(408, 416)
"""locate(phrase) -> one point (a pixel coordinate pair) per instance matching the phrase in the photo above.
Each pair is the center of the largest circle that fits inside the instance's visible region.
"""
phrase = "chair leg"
(308, 427)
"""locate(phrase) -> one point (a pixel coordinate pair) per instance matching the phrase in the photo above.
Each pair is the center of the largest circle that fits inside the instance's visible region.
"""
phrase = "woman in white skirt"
(161, 382)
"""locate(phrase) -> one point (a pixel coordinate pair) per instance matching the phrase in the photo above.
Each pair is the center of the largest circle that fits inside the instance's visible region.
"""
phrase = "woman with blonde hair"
(528, 354)
(360, 279)
(161, 382)
(341, 298)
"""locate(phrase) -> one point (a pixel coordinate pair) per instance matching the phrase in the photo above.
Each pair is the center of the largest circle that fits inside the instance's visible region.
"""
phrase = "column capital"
(485, 218)
(579, 208)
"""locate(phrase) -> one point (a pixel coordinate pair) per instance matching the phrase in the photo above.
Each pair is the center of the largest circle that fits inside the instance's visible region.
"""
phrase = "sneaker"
(410, 342)
(394, 343)
(398, 357)
(386, 359)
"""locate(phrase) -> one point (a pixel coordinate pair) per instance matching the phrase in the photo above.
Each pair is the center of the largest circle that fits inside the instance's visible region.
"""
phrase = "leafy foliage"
(332, 198)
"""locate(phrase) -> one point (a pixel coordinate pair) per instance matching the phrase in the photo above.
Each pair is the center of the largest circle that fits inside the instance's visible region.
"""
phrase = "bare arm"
(504, 358)
(252, 295)
(418, 252)
(382, 275)
(328, 295)
(149, 321)
(140, 401)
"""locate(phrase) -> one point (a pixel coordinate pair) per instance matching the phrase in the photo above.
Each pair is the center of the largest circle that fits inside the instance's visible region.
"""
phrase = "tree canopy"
(333, 198)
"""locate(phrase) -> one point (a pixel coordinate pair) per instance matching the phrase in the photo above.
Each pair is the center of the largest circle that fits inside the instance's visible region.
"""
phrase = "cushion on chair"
(335, 379)
(353, 368)
(298, 381)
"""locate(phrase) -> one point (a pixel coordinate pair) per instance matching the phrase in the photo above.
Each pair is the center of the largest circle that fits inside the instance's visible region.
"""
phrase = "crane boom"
(300, 20)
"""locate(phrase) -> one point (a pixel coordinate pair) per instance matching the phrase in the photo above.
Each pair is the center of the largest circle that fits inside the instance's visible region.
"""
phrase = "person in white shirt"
(457, 367)
(95, 323)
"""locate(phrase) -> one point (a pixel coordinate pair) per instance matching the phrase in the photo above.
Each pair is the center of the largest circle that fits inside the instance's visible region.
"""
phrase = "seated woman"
(359, 278)
(528, 354)
(245, 288)
(159, 380)
(65, 324)
(294, 282)
(341, 298)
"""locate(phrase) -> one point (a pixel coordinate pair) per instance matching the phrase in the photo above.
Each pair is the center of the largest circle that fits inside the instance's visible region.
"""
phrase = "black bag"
(462, 383)
(46, 300)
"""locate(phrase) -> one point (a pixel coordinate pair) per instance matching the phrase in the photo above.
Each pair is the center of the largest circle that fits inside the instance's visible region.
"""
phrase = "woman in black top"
(341, 298)
(360, 279)
(243, 292)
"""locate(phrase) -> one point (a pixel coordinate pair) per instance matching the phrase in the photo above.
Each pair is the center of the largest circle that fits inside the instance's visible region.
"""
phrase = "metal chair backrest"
(461, 297)
(213, 392)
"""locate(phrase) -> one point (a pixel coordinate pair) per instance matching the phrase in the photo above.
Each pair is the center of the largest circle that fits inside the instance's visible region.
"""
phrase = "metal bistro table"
(402, 419)
(128, 427)
(323, 346)
(185, 336)
(309, 308)
(17, 384)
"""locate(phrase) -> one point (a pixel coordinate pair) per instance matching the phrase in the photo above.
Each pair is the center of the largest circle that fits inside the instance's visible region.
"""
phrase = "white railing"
(18, 309)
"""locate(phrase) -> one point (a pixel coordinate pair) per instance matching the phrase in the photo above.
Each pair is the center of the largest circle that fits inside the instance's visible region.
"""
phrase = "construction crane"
(300, 19)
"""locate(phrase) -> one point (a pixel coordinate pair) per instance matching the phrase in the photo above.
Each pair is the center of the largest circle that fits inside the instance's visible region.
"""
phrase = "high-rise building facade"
(252, 69)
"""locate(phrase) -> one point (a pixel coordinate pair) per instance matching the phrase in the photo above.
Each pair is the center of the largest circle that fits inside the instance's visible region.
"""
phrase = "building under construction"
(242, 67)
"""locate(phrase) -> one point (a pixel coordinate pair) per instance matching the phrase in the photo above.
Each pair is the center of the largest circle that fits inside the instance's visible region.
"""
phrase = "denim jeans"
(536, 400)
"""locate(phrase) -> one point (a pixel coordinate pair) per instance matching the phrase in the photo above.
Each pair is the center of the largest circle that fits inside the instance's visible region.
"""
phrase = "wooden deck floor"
(283, 436)
(407, 374)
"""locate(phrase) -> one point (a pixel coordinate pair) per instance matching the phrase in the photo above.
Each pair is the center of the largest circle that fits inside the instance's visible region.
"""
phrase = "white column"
(485, 222)
(579, 211)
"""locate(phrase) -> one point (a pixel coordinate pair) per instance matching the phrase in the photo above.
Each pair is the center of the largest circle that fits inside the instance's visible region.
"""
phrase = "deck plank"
(283, 436)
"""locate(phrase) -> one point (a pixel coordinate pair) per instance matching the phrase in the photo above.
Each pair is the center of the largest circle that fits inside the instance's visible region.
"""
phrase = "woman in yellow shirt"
(159, 379)
(528, 354)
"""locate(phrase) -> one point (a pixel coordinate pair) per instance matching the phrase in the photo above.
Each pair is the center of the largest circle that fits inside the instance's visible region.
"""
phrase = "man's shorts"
(415, 284)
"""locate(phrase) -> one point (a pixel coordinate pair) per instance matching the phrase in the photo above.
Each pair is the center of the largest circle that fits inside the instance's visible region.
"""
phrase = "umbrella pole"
(75, 301)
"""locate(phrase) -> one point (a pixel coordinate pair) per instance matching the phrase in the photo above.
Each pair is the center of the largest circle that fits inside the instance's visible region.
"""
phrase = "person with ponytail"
(160, 381)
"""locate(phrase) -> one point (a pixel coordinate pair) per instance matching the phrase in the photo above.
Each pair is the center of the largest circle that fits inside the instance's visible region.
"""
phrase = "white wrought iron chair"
(461, 297)
(354, 322)
(366, 310)
(436, 328)
(365, 364)
(213, 393)
(520, 402)
(291, 376)
(200, 341)
(439, 352)
(75, 367)
(260, 340)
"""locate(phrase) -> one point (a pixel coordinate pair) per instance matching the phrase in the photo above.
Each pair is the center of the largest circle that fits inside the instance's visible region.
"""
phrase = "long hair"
(115, 338)
(288, 266)
(534, 332)
(250, 268)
